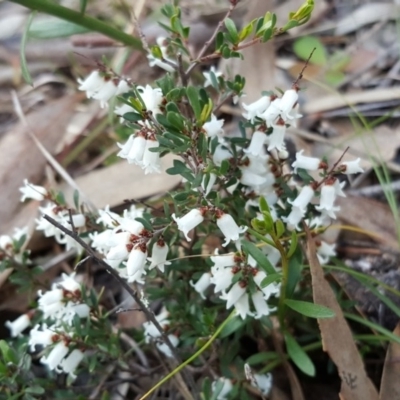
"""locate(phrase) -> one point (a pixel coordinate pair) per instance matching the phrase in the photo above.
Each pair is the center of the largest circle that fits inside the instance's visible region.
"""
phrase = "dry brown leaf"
(390, 383)
(333, 101)
(20, 158)
(337, 339)
(116, 183)
(371, 216)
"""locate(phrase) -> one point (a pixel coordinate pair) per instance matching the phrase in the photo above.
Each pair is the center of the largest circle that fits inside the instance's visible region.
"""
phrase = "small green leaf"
(245, 32)
(132, 117)
(24, 66)
(303, 47)
(76, 199)
(34, 390)
(299, 356)
(193, 96)
(308, 309)
(231, 28)
(270, 279)
(219, 41)
(264, 205)
(83, 4)
(293, 244)
(232, 326)
(259, 256)
(279, 228)
(8, 353)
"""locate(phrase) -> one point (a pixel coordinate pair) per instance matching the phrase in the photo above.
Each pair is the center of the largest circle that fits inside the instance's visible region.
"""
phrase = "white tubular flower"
(242, 306)
(118, 253)
(308, 163)
(339, 188)
(207, 76)
(55, 357)
(150, 330)
(33, 192)
(69, 364)
(221, 154)
(92, 83)
(152, 98)
(303, 198)
(228, 227)
(131, 226)
(325, 251)
(351, 167)
(268, 291)
(260, 305)
(234, 294)
(288, 101)
(226, 260)
(214, 127)
(69, 282)
(277, 139)
(293, 219)
(108, 218)
(163, 347)
(19, 325)
(151, 160)
(51, 302)
(133, 150)
(226, 387)
(159, 254)
(271, 114)
(256, 108)
(44, 337)
(202, 284)
(263, 382)
(189, 221)
(256, 147)
(122, 87)
(136, 260)
(210, 183)
(222, 278)
(106, 92)
(328, 196)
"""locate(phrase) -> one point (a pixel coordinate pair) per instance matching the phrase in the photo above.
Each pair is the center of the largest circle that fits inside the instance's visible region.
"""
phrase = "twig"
(207, 44)
(150, 316)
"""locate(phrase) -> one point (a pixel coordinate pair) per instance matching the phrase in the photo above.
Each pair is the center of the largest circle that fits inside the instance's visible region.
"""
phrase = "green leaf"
(231, 28)
(245, 32)
(34, 390)
(232, 326)
(279, 228)
(259, 256)
(132, 117)
(193, 96)
(219, 41)
(299, 356)
(293, 244)
(270, 279)
(8, 353)
(83, 4)
(264, 205)
(303, 47)
(176, 120)
(308, 309)
(51, 27)
(262, 358)
(76, 199)
(24, 66)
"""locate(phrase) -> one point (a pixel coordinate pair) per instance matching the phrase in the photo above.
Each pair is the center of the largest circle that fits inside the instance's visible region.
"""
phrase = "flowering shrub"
(224, 239)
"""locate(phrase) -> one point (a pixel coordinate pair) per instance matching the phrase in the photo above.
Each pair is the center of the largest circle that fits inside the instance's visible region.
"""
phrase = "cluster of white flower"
(59, 213)
(123, 242)
(102, 86)
(223, 273)
(225, 223)
(59, 305)
(153, 335)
